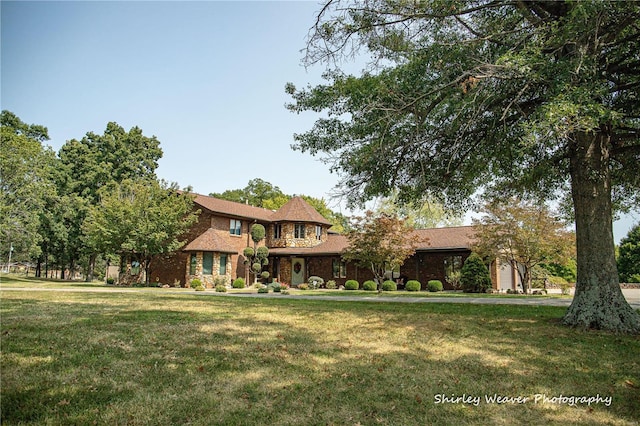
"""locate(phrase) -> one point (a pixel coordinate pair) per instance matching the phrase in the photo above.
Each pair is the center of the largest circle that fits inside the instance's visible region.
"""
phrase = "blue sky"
(206, 78)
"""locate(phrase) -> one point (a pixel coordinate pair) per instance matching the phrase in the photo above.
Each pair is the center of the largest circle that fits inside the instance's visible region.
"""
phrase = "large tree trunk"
(598, 302)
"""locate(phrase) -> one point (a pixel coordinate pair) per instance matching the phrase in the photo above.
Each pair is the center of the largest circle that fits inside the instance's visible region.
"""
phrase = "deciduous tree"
(379, 243)
(522, 234)
(25, 183)
(533, 98)
(140, 219)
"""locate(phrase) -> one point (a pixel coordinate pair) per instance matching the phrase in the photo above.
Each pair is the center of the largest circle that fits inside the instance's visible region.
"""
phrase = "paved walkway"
(632, 296)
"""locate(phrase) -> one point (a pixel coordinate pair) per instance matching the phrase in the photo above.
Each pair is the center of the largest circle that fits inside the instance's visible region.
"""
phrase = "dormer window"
(298, 230)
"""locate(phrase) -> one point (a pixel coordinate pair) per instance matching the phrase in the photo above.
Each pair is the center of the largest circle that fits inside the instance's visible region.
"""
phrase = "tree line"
(97, 199)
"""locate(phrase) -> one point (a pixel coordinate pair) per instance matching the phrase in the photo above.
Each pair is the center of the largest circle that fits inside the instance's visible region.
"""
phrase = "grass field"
(153, 357)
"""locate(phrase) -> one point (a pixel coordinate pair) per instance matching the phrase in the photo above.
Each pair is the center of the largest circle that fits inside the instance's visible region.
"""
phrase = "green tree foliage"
(419, 214)
(256, 193)
(474, 276)
(115, 156)
(629, 257)
(95, 162)
(25, 184)
(139, 219)
(379, 243)
(538, 98)
(523, 234)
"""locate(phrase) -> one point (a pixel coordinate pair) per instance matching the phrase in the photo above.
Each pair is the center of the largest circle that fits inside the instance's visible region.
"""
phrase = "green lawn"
(154, 357)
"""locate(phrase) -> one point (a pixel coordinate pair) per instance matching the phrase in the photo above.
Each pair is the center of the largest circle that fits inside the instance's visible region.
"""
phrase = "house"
(300, 244)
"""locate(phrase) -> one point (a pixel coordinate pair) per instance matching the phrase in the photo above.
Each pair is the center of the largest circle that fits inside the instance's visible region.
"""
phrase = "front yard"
(157, 357)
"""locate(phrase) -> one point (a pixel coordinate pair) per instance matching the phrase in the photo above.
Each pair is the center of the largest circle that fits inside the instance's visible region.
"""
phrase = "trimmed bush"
(303, 286)
(413, 285)
(110, 281)
(275, 286)
(331, 284)
(221, 288)
(434, 285)
(199, 288)
(238, 283)
(389, 285)
(351, 285)
(369, 285)
(263, 290)
(195, 283)
(474, 276)
(315, 282)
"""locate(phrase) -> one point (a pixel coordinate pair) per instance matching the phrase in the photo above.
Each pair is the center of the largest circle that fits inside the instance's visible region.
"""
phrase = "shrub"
(221, 288)
(315, 282)
(275, 286)
(195, 283)
(389, 285)
(199, 288)
(351, 285)
(303, 286)
(413, 285)
(110, 281)
(369, 285)
(474, 276)
(238, 283)
(263, 290)
(434, 285)
(265, 275)
(220, 281)
(331, 284)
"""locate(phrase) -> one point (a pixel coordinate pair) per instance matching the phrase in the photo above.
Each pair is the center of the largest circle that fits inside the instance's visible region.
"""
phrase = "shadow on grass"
(179, 359)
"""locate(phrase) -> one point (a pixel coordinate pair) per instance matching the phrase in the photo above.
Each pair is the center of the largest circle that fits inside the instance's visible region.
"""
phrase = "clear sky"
(206, 78)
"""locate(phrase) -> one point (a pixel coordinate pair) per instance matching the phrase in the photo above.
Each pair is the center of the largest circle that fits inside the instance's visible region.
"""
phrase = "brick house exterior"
(300, 245)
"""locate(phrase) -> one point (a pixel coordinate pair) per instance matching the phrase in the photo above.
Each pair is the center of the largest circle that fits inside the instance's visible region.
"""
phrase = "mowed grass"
(153, 357)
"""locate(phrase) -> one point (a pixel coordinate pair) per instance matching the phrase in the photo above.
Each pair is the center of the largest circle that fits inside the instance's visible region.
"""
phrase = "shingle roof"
(232, 208)
(210, 240)
(298, 210)
(456, 237)
(459, 237)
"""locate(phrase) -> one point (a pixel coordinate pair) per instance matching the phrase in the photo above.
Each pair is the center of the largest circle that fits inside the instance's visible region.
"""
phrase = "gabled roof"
(298, 210)
(210, 240)
(232, 208)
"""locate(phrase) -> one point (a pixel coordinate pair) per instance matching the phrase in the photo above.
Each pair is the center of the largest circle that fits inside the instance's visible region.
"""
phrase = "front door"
(297, 271)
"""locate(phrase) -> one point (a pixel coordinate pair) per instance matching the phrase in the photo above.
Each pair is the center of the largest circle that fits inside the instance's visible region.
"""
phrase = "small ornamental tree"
(380, 243)
(525, 234)
(474, 276)
(257, 257)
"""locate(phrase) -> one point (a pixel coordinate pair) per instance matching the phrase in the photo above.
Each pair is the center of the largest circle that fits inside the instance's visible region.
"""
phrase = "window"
(339, 269)
(318, 232)
(193, 263)
(223, 264)
(207, 263)
(235, 227)
(277, 231)
(452, 264)
(298, 231)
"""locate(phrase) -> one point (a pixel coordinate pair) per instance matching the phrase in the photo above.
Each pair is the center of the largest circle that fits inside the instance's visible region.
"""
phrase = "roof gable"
(298, 210)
